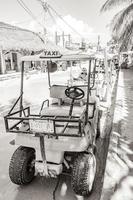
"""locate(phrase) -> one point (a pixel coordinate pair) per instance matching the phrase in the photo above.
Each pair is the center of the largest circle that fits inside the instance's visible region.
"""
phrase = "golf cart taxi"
(62, 135)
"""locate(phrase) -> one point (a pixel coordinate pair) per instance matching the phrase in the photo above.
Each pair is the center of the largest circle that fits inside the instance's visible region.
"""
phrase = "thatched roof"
(15, 38)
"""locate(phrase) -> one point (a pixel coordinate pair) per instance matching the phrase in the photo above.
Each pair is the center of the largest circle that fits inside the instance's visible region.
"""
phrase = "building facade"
(16, 42)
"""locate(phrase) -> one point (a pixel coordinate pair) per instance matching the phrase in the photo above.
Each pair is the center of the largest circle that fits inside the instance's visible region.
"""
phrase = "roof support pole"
(71, 76)
(12, 67)
(2, 64)
(88, 93)
(18, 62)
(21, 89)
(49, 65)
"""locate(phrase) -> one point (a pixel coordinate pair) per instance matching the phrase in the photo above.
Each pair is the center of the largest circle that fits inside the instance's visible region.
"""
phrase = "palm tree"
(122, 23)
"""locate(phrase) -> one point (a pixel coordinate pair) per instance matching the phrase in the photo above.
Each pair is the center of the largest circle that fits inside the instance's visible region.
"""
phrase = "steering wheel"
(74, 93)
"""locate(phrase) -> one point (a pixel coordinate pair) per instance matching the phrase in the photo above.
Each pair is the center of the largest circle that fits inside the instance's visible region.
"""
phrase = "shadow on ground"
(119, 170)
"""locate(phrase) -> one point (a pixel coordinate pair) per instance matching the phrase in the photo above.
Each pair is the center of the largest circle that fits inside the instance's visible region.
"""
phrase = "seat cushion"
(64, 110)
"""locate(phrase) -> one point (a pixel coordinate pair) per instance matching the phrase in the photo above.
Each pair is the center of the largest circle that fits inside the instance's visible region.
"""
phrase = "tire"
(22, 166)
(84, 166)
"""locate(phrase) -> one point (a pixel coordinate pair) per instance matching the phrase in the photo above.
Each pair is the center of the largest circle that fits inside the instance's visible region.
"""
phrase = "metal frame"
(25, 115)
(55, 119)
(65, 119)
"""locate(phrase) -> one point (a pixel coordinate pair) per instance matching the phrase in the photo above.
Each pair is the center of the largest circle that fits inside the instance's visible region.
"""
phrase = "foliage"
(122, 23)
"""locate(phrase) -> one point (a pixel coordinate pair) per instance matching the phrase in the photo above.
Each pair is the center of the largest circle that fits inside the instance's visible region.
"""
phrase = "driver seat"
(61, 103)
(57, 92)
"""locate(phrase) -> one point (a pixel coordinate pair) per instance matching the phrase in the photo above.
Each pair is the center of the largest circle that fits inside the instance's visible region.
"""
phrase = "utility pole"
(63, 39)
(56, 38)
(44, 5)
(69, 39)
(98, 43)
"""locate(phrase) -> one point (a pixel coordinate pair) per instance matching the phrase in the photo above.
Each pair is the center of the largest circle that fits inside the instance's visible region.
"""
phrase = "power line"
(52, 17)
(23, 22)
(23, 5)
(46, 7)
(28, 20)
(64, 21)
(44, 4)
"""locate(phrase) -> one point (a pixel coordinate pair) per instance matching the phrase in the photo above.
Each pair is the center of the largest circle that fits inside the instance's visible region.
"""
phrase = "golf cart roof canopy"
(57, 56)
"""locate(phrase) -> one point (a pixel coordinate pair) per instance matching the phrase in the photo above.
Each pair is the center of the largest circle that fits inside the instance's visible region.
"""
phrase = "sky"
(83, 15)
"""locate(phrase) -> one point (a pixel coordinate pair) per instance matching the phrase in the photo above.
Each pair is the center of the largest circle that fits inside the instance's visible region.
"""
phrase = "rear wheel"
(83, 174)
(22, 165)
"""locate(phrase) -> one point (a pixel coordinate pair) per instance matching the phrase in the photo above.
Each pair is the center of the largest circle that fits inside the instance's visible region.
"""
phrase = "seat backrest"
(58, 91)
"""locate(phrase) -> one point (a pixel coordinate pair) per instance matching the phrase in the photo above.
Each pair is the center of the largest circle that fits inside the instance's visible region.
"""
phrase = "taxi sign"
(50, 54)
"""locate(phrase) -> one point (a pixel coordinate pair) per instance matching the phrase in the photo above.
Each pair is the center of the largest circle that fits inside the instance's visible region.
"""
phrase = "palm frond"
(122, 19)
(109, 4)
(126, 38)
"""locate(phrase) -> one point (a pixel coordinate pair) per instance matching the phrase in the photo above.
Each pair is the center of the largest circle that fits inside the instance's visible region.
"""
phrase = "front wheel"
(22, 165)
(83, 174)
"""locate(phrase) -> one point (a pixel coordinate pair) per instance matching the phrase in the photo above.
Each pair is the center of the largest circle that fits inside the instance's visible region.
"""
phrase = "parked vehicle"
(62, 136)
